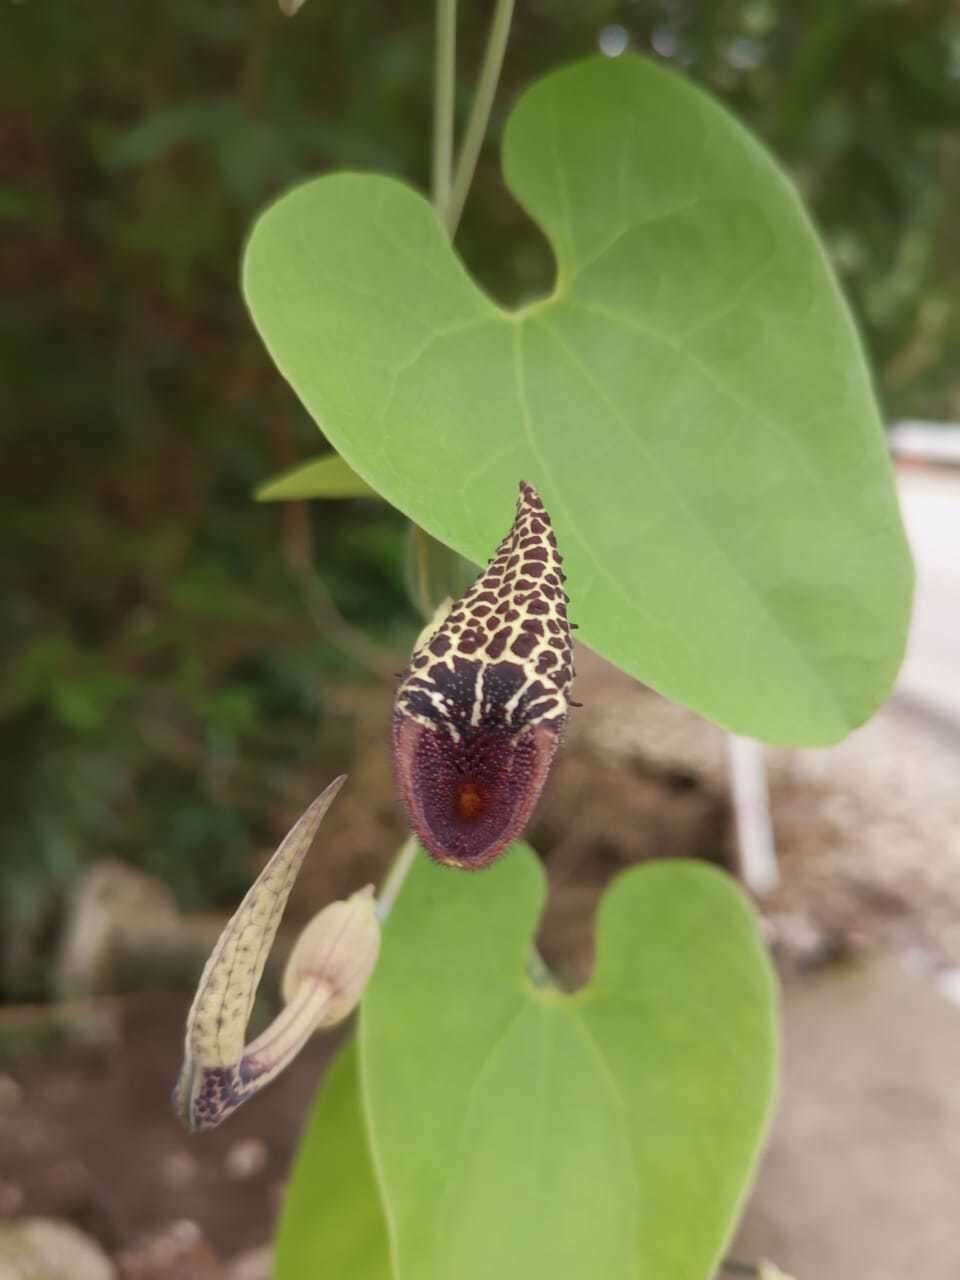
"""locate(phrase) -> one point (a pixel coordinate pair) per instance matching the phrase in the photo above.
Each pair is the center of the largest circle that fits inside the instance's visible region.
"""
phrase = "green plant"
(693, 404)
(694, 370)
(153, 625)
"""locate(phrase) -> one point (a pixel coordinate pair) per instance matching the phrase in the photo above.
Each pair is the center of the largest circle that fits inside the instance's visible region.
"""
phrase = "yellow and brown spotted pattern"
(481, 707)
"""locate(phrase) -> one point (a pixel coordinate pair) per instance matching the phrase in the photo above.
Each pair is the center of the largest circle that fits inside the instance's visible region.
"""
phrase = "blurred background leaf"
(328, 477)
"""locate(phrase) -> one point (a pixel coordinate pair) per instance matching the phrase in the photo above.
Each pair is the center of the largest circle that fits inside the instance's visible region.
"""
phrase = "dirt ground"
(871, 875)
(87, 1135)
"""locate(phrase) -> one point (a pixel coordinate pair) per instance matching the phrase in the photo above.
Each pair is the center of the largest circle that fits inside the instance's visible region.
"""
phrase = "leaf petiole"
(480, 112)
(445, 70)
(396, 876)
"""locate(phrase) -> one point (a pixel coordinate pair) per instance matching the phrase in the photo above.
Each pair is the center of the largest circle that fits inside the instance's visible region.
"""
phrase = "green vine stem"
(420, 548)
(445, 67)
(480, 112)
(396, 876)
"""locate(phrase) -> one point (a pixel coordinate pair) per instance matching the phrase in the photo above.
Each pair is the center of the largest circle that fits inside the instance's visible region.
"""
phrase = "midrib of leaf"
(600, 567)
(571, 1008)
(634, 224)
(686, 353)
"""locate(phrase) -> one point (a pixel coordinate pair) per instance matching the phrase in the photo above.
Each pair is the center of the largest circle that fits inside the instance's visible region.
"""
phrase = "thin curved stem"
(421, 551)
(277, 1046)
(396, 876)
(445, 66)
(480, 111)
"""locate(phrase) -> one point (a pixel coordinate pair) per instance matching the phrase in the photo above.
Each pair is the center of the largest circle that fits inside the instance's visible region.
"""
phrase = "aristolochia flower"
(482, 706)
(324, 980)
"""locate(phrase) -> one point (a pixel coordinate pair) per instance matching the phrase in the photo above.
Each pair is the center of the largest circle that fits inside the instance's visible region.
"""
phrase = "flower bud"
(325, 978)
(338, 950)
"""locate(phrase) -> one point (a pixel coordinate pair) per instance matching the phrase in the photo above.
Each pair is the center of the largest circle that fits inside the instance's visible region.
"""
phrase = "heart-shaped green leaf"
(328, 477)
(518, 1131)
(332, 1221)
(691, 401)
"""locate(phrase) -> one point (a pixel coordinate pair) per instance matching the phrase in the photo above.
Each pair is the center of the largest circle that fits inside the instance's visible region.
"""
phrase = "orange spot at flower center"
(470, 801)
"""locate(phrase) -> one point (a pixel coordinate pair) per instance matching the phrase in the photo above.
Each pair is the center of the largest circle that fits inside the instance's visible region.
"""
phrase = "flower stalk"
(479, 117)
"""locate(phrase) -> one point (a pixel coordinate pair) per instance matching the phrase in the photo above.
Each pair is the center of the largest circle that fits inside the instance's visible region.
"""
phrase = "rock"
(254, 1264)
(48, 1249)
(178, 1251)
(246, 1158)
(124, 932)
(111, 906)
(178, 1170)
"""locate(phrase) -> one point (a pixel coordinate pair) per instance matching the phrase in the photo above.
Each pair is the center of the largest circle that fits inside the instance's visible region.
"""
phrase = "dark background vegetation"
(171, 650)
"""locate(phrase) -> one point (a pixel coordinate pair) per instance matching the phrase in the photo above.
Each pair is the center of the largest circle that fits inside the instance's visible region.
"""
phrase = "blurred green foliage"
(169, 647)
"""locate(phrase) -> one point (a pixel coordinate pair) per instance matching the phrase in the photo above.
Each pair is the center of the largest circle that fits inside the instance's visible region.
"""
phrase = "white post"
(757, 855)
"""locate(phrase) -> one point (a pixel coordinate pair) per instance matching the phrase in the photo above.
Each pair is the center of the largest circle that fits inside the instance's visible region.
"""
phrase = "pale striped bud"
(338, 949)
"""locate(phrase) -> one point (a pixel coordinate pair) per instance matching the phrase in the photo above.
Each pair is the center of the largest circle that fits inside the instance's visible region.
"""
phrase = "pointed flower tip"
(289, 8)
(328, 970)
(481, 708)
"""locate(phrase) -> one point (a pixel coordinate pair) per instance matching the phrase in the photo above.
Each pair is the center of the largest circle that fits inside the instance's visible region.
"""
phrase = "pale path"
(862, 1178)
